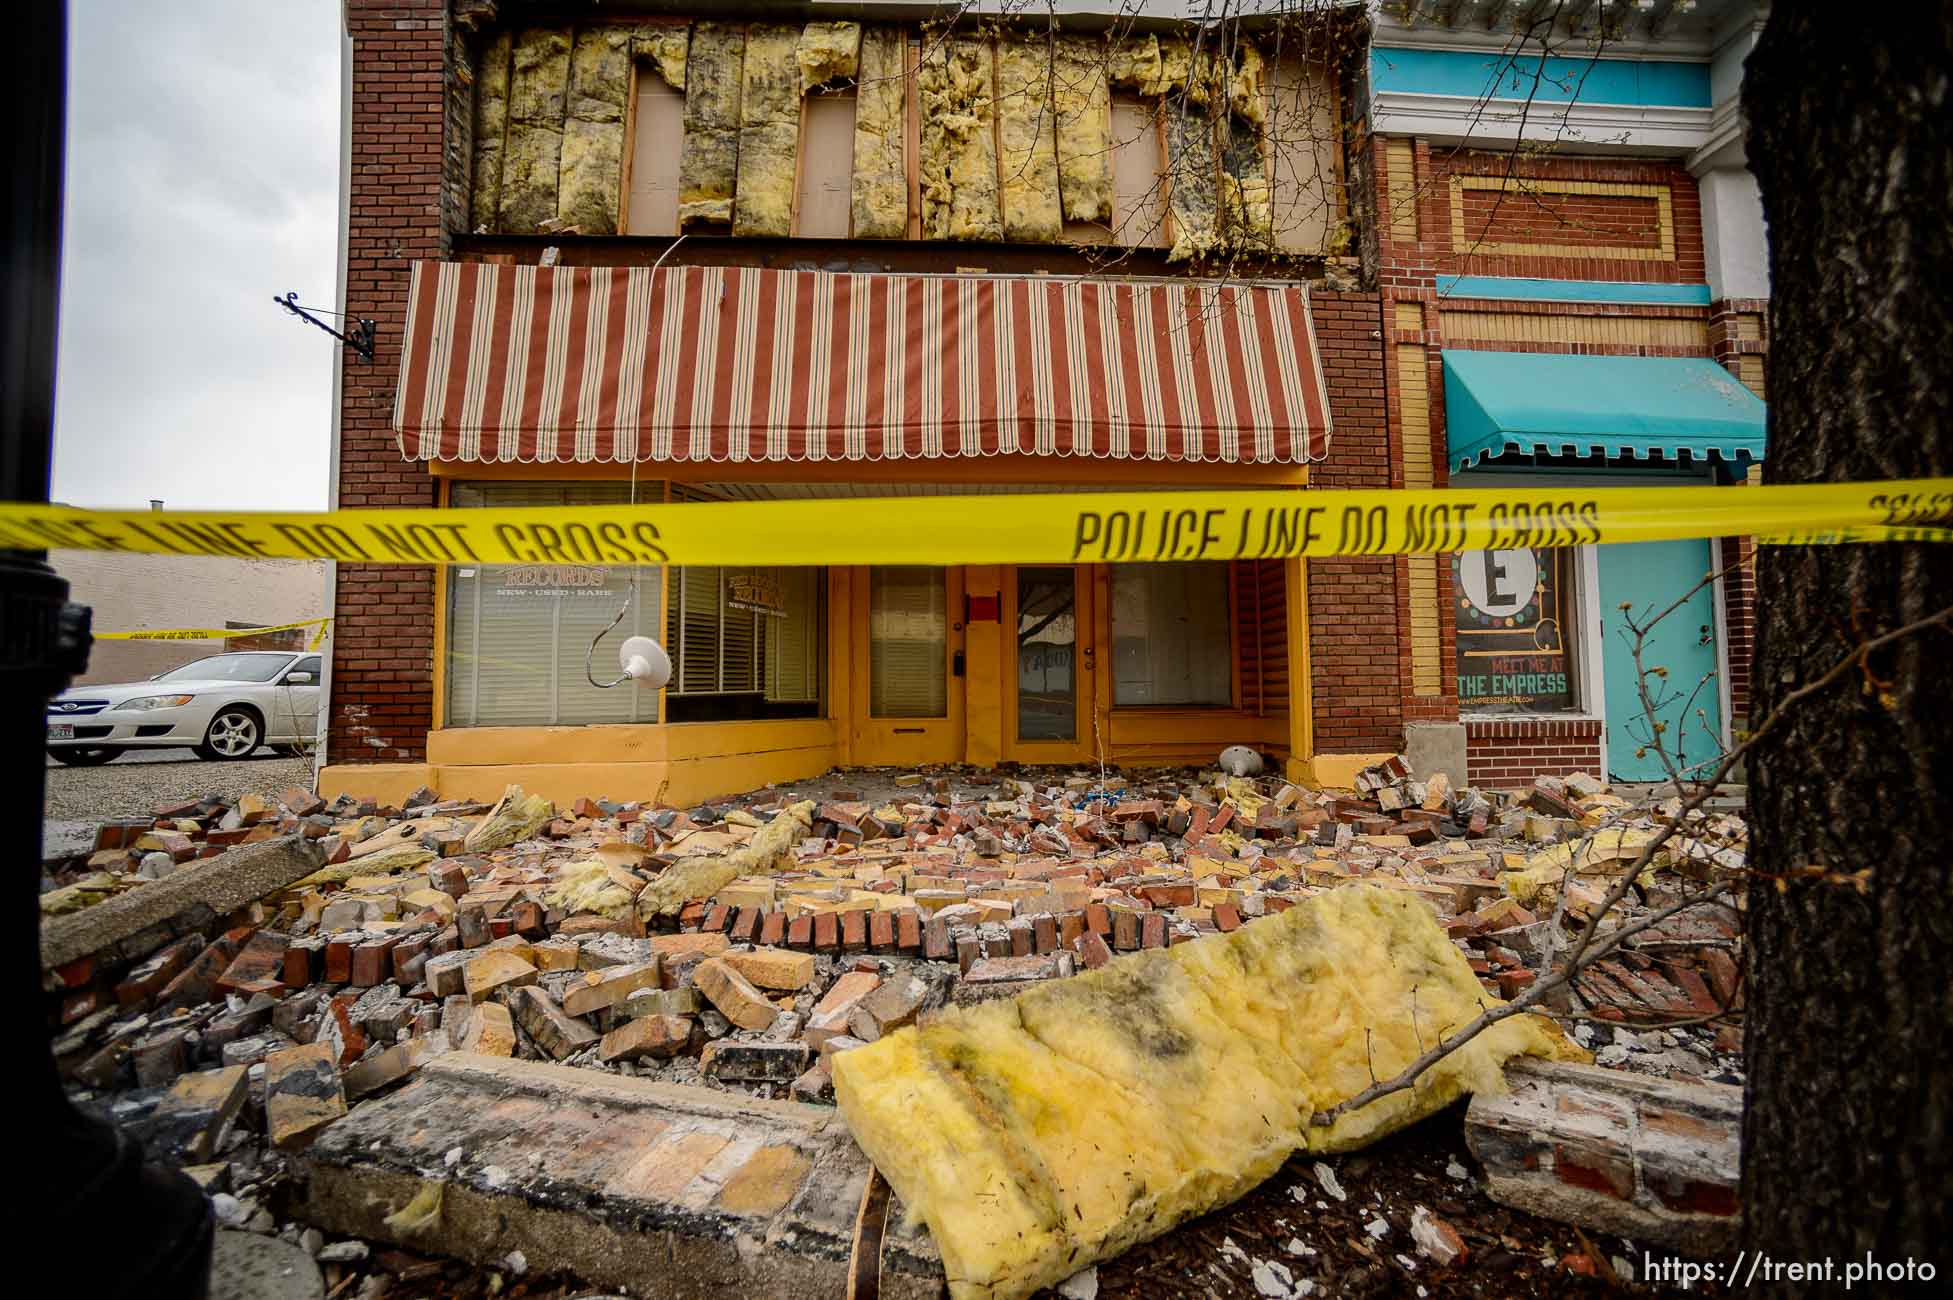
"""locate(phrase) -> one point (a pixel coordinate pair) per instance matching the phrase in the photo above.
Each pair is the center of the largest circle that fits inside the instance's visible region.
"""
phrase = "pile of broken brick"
(384, 936)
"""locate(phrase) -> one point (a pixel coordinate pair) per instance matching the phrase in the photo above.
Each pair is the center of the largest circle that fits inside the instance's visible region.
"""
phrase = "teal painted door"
(1648, 577)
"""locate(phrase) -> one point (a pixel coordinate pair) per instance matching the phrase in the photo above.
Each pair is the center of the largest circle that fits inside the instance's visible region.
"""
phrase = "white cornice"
(1723, 145)
(1578, 127)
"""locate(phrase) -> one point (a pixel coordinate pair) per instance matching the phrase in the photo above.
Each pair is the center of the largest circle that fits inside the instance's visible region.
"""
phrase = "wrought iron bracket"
(359, 338)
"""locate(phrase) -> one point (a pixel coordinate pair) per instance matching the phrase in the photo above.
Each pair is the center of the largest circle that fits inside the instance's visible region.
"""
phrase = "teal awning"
(1645, 407)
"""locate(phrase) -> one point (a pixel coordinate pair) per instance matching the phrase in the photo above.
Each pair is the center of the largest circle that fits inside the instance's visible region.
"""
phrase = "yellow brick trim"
(1749, 369)
(1426, 645)
(1414, 407)
(1410, 317)
(1400, 189)
(1664, 206)
(1621, 331)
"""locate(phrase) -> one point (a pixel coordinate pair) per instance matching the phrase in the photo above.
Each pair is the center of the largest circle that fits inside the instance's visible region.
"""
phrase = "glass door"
(908, 675)
(1051, 665)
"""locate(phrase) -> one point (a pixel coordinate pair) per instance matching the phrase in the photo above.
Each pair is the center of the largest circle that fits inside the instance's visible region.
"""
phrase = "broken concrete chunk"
(1225, 1047)
(301, 1093)
(734, 996)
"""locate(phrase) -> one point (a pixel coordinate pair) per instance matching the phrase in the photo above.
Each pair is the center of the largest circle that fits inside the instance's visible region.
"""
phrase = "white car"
(223, 707)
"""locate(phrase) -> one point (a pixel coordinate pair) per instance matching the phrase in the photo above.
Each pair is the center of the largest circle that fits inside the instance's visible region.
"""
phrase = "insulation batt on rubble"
(1039, 1134)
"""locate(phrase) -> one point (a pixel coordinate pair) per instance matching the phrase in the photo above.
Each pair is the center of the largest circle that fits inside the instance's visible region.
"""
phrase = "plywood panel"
(826, 150)
(659, 141)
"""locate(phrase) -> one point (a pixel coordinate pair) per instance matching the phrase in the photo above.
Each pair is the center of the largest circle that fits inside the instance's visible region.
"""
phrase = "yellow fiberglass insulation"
(1039, 1134)
(589, 887)
(959, 158)
(826, 52)
(704, 876)
(1193, 180)
(515, 816)
(491, 125)
(593, 131)
(1084, 104)
(1027, 149)
(769, 132)
(1246, 197)
(1247, 90)
(879, 191)
(532, 150)
(708, 163)
(665, 44)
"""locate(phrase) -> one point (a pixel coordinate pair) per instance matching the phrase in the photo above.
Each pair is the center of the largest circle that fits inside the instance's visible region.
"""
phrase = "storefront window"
(745, 643)
(1170, 635)
(517, 633)
(1516, 621)
(908, 635)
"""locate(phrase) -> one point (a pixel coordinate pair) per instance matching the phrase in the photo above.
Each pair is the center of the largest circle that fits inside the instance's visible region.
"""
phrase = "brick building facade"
(464, 153)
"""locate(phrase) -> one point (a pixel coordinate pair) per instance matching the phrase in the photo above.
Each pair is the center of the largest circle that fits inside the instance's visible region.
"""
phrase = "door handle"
(956, 664)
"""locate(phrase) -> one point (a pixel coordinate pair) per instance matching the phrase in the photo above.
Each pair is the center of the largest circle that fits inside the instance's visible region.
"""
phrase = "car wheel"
(75, 757)
(234, 733)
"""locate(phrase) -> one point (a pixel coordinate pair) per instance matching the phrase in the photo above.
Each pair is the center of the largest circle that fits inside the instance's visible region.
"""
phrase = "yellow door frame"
(903, 742)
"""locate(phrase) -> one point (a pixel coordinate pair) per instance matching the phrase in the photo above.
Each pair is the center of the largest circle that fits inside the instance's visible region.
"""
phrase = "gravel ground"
(127, 788)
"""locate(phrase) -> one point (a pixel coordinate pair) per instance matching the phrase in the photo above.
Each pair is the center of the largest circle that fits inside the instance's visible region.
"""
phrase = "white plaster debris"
(496, 1176)
(1377, 1228)
(1231, 1251)
(516, 1262)
(1327, 1177)
(1273, 1280)
(453, 1157)
(1297, 1246)
(1457, 1171)
(1082, 1285)
(1410, 1265)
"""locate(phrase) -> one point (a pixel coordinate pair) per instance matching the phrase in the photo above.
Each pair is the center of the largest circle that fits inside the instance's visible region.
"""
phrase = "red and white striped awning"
(709, 363)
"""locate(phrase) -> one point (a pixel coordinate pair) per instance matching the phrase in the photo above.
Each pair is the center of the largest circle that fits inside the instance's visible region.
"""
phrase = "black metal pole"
(100, 1220)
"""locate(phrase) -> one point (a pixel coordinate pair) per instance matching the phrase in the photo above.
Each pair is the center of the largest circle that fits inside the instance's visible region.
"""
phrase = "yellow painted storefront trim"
(1664, 251)
(1338, 771)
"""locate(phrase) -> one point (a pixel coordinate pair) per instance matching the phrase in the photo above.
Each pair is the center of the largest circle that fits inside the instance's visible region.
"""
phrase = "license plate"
(60, 731)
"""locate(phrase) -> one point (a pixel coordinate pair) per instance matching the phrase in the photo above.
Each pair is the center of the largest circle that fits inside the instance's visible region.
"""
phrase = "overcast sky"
(203, 156)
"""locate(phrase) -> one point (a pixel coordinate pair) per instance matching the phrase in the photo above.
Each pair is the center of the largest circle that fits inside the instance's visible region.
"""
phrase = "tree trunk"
(1848, 1127)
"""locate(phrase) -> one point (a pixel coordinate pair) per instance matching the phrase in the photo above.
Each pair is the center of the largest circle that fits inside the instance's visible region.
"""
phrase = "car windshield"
(229, 668)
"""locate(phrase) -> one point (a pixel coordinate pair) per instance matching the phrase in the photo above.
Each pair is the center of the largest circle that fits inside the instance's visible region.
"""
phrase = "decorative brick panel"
(1506, 752)
(383, 639)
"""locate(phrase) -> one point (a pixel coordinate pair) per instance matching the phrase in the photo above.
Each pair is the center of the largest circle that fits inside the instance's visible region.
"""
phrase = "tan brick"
(734, 995)
(773, 968)
(496, 968)
(609, 986)
(655, 1035)
(765, 1183)
(490, 1031)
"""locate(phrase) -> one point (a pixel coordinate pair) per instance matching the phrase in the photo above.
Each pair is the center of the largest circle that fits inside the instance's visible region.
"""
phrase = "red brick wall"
(1353, 627)
(383, 640)
(1511, 752)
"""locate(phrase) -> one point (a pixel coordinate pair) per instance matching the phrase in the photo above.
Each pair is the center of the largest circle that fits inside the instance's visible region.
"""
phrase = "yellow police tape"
(1033, 529)
(219, 633)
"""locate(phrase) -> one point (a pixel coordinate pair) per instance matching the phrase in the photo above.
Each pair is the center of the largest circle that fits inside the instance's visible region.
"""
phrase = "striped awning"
(707, 363)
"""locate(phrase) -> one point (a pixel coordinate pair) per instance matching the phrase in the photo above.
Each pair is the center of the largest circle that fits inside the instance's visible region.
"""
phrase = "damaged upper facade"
(1208, 141)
